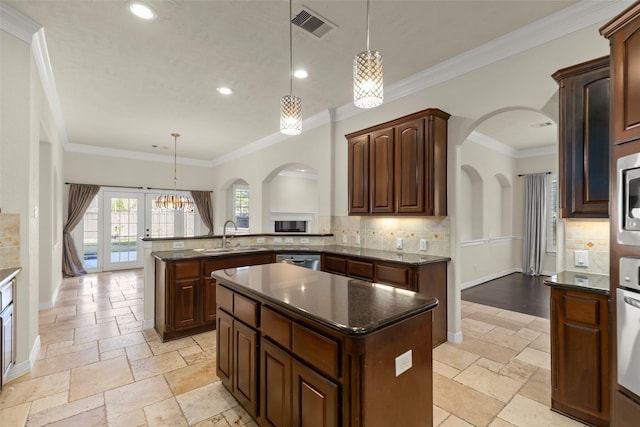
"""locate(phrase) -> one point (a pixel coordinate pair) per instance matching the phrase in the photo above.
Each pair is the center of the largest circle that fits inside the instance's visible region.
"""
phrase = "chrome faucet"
(224, 232)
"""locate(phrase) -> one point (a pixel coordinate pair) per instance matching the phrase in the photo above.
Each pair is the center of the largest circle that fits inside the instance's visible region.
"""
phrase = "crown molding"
(16, 24)
(133, 155)
(492, 144)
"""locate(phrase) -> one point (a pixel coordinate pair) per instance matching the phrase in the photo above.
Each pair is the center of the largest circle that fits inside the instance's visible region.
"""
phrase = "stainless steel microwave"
(628, 176)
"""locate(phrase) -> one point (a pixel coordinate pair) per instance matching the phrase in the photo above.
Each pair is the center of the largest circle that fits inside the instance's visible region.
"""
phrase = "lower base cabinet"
(580, 355)
(315, 398)
(7, 290)
(245, 367)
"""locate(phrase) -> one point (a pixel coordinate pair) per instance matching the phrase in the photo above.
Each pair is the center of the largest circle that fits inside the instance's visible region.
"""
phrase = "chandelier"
(174, 201)
(290, 105)
(368, 91)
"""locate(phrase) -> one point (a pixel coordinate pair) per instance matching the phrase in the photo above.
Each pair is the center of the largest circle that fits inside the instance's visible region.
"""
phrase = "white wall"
(294, 194)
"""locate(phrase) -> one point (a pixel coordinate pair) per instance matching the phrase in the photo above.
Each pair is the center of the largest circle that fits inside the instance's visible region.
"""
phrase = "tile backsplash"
(9, 240)
(382, 233)
(591, 236)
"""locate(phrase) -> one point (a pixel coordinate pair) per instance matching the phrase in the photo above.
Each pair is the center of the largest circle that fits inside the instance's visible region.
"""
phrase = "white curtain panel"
(535, 200)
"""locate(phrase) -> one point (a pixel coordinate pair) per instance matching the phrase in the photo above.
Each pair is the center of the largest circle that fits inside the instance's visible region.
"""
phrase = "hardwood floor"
(515, 292)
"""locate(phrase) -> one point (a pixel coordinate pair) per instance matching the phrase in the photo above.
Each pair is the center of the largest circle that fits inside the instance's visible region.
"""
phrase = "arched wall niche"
(503, 223)
(290, 193)
(471, 212)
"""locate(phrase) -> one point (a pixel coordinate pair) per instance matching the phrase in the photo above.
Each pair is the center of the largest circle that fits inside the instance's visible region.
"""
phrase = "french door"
(123, 228)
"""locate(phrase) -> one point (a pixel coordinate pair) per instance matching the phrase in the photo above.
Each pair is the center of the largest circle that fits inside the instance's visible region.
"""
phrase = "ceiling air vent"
(312, 23)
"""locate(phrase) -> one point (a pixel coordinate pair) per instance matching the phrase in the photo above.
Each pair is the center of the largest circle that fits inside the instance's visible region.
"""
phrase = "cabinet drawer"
(224, 298)
(361, 269)
(582, 310)
(6, 295)
(318, 350)
(245, 309)
(335, 264)
(276, 327)
(187, 269)
(392, 275)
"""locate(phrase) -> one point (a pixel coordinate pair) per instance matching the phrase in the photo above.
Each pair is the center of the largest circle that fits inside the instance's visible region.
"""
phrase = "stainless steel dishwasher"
(311, 261)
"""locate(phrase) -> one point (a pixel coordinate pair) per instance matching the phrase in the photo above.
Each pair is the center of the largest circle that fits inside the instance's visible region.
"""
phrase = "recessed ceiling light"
(300, 74)
(142, 10)
(224, 90)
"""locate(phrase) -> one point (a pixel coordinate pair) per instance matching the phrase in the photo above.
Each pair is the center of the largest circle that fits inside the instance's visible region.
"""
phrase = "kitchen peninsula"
(303, 347)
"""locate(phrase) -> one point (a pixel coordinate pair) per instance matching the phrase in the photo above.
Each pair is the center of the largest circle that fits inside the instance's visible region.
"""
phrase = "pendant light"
(290, 105)
(174, 201)
(368, 91)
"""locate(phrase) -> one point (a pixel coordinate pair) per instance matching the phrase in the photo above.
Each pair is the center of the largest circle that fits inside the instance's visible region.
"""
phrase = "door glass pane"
(90, 236)
(124, 230)
(162, 222)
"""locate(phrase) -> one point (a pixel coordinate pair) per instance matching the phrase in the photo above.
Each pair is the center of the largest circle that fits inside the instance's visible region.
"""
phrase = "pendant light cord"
(367, 25)
(290, 52)
(175, 161)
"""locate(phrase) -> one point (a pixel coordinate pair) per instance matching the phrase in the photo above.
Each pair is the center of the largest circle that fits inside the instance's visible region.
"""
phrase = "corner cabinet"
(186, 293)
(580, 355)
(400, 167)
(584, 139)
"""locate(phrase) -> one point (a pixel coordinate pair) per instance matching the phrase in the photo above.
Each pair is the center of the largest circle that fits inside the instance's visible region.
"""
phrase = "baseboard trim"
(48, 305)
(476, 282)
(148, 324)
(25, 367)
(454, 337)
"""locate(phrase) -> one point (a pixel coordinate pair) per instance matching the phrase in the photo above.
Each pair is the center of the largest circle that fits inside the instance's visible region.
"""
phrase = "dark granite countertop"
(347, 305)
(373, 254)
(219, 236)
(8, 274)
(587, 282)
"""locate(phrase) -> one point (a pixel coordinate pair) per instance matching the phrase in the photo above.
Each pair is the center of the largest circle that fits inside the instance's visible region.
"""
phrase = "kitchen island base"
(288, 365)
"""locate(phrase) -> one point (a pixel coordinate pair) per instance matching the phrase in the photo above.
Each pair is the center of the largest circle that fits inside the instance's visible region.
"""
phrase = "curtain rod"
(525, 174)
(112, 186)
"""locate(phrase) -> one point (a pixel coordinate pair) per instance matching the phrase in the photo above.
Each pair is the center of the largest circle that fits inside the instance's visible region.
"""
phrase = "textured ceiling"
(125, 83)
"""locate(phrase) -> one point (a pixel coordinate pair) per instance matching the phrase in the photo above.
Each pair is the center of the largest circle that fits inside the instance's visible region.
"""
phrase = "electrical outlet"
(178, 245)
(260, 240)
(399, 243)
(404, 362)
(357, 239)
(277, 240)
(581, 258)
(288, 239)
(345, 238)
(304, 240)
(423, 244)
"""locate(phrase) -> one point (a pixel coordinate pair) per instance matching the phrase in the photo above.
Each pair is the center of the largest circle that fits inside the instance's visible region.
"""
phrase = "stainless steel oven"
(628, 324)
(628, 185)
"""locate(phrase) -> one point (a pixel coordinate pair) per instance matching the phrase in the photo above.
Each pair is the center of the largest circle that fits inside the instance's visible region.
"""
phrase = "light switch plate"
(178, 245)
(581, 258)
(304, 240)
(404, 362)
(357, 239)
(399, 243)
(345, 238)
(277, 240)
(288, 239)
(260, 240)
(423, 244)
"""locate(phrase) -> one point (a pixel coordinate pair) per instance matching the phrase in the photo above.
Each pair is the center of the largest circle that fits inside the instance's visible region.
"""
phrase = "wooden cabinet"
(584, 142)
(7, 290)
(315, 398)
(580, 355)
(237, 349)
(400, 167)
(186, 293)
(275, 385)
(427, 279)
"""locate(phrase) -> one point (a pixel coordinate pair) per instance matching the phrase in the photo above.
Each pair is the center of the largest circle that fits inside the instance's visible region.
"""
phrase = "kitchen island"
(303, 347)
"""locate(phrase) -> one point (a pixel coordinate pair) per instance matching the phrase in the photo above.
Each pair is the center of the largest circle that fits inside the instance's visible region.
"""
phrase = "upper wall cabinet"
(584, 139)
(400, 167)
(624, 36)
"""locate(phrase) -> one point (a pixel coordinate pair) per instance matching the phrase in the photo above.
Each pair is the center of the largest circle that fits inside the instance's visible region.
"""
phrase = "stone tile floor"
(97, 367)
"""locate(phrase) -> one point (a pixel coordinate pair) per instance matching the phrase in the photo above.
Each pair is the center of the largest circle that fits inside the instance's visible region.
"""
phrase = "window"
(552, 218)
(167, 223)
(241, 205)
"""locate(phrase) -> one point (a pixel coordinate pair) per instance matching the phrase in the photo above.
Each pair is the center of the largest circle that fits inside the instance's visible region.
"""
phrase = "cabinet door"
(224, 348)
(7, 340)
(186, 312)
(315, 398)
(625, 64)
(275, 387)
(381, 171)
(580, 358)
(359, 175)
(410, 167)
(245, 367)
(335, 264)
(208, 300)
